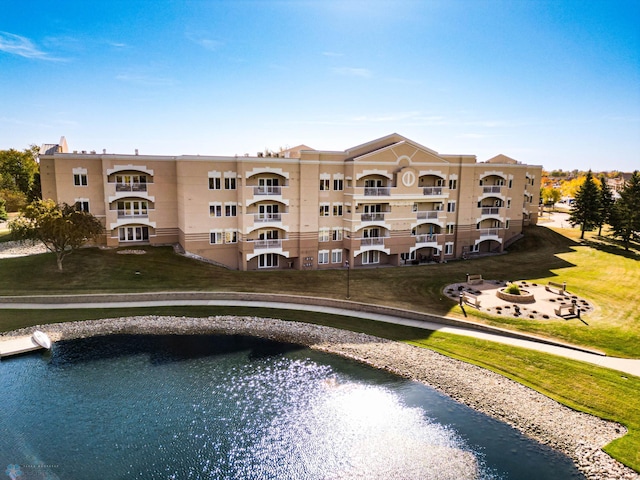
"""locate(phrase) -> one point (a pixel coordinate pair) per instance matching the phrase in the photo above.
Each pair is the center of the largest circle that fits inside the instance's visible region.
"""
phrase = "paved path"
(629, 366)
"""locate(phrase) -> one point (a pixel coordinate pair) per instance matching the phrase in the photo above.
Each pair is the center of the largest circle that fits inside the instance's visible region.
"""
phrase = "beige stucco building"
(389, 201)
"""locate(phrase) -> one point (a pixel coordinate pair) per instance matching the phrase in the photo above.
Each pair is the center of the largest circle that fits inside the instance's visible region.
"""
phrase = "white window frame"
(82, 205)
(230, 236)
(451, 206)
(323, 257)
(231, 209)
(336, 234)
(448, 248)
(324, 209)
(215, 209)
(336, 256)
(453, 183)
(268, 260)
(216, 237)
(337, 209)
(133, 233)
(371, 257)
(80, 179)
(338, 183)
(324, 235)
(451, 228)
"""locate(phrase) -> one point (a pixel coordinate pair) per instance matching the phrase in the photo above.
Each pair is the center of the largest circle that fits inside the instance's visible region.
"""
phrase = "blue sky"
(554, 83)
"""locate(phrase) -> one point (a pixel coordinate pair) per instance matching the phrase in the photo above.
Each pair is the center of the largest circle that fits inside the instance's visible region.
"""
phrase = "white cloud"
(332, 54)
(205, 42)
(22, 46)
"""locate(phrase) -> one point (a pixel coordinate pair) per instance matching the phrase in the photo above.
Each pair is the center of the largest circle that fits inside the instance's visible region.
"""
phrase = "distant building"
(390, 201)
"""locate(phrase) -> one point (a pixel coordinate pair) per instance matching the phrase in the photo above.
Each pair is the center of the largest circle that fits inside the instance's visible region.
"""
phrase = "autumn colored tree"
(60, 227)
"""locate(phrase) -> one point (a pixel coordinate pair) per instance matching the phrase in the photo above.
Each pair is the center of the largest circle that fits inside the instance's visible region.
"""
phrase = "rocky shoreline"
(578, 435)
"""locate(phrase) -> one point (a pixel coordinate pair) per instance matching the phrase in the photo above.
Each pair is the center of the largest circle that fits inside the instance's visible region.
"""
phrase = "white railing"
(130, 214)
(428, 238)
(428, 215)
(267, 190)
(492, 189)
(489, 232)
(372, 217)
(433, 190)
(490, 210)
(267, 217)
(131, 187)
(377, 191)
(370, 241)
(271, 243)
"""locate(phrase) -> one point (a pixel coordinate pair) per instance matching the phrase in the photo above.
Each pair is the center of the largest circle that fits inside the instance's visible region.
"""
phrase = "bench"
(569, 309)
(471, 299)
(560, 288)
(474, 279)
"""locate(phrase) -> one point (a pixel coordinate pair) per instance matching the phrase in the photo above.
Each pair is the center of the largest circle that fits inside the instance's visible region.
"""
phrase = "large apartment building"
(389, 201)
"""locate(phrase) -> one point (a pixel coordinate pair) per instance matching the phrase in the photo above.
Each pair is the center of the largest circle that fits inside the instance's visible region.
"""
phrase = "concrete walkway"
(629, 366)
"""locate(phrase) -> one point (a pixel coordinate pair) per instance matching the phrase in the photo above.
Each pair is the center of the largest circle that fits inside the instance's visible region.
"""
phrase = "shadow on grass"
(614, 246)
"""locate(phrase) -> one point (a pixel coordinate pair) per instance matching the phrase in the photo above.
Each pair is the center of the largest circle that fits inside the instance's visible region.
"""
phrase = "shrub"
(3, 211)
(513, 289)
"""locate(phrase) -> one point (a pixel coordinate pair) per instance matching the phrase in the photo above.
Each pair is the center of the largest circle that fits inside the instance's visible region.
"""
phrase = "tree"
(18, 171)
(606, 204)
(550, 195)
(586, 207)
(3, 210)
(60, 227)
(625, 215)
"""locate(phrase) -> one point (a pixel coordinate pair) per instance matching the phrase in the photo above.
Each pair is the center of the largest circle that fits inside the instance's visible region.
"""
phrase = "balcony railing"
(271, 243)
(490, 210)
(428, 238)
(130, 214)
(371, 241)
(372, 217)
(433, 190)
(492, 189)
(489, 232)
(377, 191)
(131, 187)
(267, 217)
(428, 215)
(267, 190)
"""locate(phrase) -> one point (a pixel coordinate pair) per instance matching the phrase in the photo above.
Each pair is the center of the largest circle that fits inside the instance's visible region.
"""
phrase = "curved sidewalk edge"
(324, 305)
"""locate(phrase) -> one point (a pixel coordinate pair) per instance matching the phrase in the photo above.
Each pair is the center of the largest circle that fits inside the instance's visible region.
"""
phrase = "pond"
(237, 407)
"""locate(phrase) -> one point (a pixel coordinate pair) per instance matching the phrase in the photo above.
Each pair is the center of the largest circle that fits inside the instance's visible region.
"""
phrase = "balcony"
(267, 190)
(372, 217)
(377, 191)
(428, 215)
(267, 244)
(492, 189)
(428, 238)
(490, 211)
(131, 214)
(490, 232)
(434, 191)
(372, 241)
(131, 187)
(267, 217)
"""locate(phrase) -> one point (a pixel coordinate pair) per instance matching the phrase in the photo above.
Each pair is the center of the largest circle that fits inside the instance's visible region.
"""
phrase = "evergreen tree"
(586, 206)
(606, 204)
(625, 215)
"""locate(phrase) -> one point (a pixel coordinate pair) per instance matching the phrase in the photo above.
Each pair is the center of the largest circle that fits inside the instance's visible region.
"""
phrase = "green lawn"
(597, 269)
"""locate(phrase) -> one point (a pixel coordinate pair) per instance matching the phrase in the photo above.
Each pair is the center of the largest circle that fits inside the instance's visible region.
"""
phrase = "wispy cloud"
(23, 47)
(205, 42)
(145, 80)
(353, 72)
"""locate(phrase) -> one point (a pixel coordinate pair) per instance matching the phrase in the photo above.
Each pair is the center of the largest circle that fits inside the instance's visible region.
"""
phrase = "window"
(336, 234)
(82, 205)
(230, 183)
(336, 256)
(230, 236)
(215, 238)
(372, 256)
(475, 248)
(323, 257)
(133, 234)
(453, 184)
(80, 179)
(337, 209)
(214, 183)
(506, 224)
(508, 203)
(338, 184)
(510, 183)
(215, 210)
(324, 209)
(451, 207)
(448, 248)
(230, 209)
(324, 184)
(268, 260)
(451, 228)
(323, 235)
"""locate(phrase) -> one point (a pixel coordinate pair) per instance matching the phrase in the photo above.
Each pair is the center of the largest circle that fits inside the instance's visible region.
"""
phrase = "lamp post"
(346, 264)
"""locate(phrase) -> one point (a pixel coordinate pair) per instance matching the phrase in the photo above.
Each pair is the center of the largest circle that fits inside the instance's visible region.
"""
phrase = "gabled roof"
(51, 148)
(382, 143)
(502, 159)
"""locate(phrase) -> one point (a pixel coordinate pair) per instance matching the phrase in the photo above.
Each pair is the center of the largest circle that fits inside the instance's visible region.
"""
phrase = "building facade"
(390, 201)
